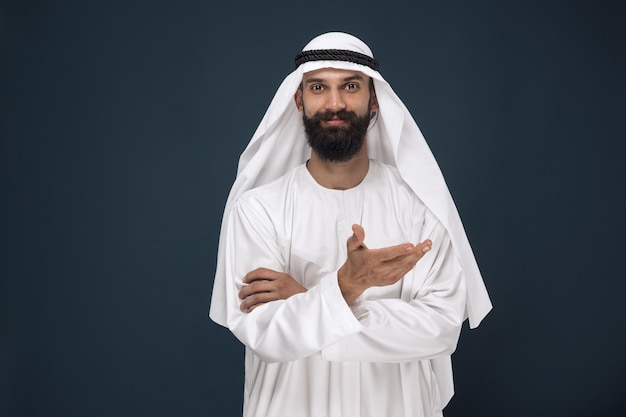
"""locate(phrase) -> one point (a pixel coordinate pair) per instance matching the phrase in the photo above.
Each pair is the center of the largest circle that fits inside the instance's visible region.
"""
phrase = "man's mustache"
(331, 115)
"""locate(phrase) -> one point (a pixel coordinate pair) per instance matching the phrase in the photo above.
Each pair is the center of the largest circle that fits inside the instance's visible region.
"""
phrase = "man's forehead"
(334, 74)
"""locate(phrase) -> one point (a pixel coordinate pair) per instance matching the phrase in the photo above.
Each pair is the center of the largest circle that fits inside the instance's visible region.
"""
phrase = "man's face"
(336, 106)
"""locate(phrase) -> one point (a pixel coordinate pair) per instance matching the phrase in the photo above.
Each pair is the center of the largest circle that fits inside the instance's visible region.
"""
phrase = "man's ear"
(298, 99)
(373, 102)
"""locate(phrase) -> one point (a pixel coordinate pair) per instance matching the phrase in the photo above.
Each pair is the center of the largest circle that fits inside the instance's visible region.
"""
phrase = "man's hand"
(366, 268)
(265, 285)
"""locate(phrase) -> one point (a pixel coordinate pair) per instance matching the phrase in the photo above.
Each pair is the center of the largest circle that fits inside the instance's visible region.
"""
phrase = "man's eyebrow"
(355, 77)
(314, 80)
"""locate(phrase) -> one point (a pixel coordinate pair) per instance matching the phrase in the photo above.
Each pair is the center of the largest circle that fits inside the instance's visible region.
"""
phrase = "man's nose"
(335, 101)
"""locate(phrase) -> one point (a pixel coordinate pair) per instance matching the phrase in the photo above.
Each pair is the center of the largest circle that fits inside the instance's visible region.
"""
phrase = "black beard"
(336, 143)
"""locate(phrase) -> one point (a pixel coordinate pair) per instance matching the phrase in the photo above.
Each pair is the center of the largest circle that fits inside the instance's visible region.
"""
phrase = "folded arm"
(286, 322)
(285, 329)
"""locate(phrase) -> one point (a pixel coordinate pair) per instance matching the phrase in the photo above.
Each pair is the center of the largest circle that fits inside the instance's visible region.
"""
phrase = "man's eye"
(316, 87)
(352, 86)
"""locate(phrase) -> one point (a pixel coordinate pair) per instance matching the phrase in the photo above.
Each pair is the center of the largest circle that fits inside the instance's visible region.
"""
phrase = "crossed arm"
(363, 269)
(280, 320)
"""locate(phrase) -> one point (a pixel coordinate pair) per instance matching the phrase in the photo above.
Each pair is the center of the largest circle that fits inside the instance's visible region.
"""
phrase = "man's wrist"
(349, 291)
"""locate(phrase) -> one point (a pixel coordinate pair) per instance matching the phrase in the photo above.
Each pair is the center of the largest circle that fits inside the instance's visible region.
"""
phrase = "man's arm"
(285, 329)
(363, 269)
(396, 330)
(423, 324)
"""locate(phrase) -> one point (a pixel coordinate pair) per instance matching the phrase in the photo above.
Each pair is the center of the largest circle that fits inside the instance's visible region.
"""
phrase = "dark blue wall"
(121, 124)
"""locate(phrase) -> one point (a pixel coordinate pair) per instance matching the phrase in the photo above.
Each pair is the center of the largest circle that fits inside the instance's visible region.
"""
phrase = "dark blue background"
(121, 125)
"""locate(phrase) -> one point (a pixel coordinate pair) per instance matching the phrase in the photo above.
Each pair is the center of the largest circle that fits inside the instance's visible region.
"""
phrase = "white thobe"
(312, 355)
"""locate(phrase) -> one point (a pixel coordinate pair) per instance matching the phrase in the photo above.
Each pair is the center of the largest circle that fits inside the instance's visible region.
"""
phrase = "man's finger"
(255, 287)
(356, 241)
(400, 251)
(392, 252)
(256, 300)
(260, 274)
(401, 265)
(425, 246)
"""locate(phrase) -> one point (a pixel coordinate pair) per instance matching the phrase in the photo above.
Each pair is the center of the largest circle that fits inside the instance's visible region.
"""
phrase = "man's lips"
(334, 122)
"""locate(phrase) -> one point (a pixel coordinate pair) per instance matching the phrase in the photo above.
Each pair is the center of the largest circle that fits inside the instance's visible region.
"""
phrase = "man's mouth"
(335, 122)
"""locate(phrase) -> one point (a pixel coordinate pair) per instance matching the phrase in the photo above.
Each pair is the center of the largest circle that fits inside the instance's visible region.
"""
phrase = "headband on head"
(336, 55)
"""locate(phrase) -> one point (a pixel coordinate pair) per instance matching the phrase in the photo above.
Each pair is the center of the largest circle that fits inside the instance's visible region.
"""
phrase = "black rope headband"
(336, 55)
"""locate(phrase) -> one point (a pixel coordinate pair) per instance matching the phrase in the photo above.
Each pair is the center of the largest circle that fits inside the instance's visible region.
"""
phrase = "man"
(343, 265)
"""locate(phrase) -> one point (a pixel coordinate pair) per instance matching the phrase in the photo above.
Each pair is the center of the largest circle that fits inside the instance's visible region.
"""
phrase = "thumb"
(356, 240)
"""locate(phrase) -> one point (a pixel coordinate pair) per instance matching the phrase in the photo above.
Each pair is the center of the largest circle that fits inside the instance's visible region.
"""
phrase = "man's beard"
(336, 143)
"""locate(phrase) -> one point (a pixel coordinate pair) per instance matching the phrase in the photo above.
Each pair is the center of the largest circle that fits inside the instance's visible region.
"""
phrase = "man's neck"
(339, 175)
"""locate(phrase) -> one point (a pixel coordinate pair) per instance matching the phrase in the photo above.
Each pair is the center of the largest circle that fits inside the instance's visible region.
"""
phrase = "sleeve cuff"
(337, 307)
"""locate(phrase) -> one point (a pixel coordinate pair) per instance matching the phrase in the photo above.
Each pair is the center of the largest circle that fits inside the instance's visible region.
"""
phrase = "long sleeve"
(425, 324)
(395, 340)
(301, 230)
(283, 330)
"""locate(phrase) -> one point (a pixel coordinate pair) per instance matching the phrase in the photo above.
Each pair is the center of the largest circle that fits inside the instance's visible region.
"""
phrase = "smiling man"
(343, 265)
(334, 129)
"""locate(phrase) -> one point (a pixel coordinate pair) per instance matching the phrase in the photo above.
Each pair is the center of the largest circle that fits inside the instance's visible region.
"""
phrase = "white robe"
(312, 355)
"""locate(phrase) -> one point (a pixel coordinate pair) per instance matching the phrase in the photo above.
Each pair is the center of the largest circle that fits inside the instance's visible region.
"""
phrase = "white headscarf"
(394, 139)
